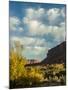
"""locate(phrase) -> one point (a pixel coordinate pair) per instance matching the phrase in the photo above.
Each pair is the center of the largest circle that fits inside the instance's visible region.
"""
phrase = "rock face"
(32, 61)
(56, 55)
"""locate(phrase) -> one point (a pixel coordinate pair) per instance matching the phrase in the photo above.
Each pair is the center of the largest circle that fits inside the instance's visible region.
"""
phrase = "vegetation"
(21, 77)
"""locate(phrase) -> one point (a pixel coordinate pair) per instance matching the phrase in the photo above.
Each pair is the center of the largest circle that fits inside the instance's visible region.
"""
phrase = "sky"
(37, 26)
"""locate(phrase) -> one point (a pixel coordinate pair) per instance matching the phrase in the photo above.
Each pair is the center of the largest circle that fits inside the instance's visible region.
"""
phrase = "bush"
(19, 75)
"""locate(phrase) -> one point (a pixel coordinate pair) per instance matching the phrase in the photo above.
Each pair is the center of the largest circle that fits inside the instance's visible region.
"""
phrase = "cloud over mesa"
(38, 29)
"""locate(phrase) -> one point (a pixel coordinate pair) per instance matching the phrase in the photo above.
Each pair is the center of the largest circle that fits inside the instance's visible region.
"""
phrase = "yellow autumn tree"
(19, 75)
(17, 63)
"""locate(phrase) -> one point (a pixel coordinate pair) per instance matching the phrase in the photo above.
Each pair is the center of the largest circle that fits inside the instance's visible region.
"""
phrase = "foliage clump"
(48, 75)
(21, 76)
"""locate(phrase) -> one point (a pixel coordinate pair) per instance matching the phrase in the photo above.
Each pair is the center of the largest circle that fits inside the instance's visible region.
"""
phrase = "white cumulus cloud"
(30, 41)
(15, 24)
(14, 21)
(35, 20)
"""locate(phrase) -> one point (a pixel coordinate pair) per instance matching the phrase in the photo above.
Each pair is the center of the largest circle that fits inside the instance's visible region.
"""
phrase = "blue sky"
(38, 27)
